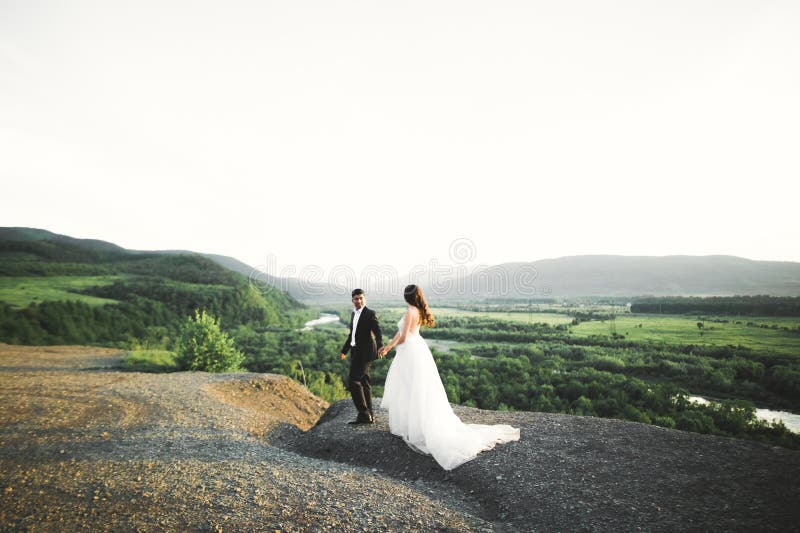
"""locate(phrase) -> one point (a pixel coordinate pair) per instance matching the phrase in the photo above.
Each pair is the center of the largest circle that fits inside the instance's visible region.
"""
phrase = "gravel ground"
(82, 446)
(569, 473)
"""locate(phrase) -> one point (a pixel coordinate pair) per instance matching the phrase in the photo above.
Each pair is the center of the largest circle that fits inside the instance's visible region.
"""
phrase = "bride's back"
(413, 314)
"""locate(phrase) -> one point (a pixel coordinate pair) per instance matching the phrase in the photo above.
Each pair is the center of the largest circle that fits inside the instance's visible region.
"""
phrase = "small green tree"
(202, 346)
(327, 386)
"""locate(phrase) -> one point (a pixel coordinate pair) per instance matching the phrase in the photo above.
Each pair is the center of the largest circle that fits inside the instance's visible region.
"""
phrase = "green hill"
(56, 289)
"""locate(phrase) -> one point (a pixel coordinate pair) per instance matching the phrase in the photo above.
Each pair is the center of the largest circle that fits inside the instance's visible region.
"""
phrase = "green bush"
(203, 346)
(327, 386)
(695, 421)
(664, 422)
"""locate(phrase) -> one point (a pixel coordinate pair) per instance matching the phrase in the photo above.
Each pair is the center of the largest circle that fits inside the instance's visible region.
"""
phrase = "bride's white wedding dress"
(420, 413)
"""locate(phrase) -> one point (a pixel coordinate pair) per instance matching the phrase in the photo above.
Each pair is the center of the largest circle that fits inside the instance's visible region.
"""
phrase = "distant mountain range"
(564, 277)
(616, 275)
(300, 290)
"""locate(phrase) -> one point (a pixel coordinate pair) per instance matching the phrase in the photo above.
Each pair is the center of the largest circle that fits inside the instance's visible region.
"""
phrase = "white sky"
(327, 133)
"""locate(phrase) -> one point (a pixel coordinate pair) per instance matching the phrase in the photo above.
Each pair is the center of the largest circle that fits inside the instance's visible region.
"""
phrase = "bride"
(416, 400)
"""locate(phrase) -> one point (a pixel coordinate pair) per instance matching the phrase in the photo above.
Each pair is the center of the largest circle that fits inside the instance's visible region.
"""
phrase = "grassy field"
(22, 291)
(524, 317)
(764, 334)
(677, 329)
(671, 329)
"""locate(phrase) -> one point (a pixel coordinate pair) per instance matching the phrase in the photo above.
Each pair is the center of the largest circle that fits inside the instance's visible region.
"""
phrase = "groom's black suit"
(369, 339)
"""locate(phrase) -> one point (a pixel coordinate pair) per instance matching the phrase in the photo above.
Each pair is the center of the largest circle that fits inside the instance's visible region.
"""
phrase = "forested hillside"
(59, 290)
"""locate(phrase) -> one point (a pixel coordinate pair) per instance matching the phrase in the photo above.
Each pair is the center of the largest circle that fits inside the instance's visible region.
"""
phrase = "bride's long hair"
(413, 295)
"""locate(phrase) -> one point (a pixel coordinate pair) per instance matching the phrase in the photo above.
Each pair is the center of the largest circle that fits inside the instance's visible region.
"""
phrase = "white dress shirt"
(356, 316)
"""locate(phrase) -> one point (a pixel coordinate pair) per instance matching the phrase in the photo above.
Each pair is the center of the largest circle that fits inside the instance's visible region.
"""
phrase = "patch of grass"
(521, 316)
(678, 329)
(21, 291)
(155, 361)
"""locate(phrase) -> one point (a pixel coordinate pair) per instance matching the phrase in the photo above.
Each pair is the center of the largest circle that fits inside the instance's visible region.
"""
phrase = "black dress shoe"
(361, 419)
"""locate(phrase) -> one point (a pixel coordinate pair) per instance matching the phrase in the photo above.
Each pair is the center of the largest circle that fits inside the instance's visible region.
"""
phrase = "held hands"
(381, 353)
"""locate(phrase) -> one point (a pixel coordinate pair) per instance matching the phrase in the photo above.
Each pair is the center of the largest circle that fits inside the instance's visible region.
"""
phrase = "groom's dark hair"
(356, 292)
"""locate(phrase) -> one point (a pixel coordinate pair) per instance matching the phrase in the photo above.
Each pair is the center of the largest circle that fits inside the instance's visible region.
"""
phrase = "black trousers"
(360, 387)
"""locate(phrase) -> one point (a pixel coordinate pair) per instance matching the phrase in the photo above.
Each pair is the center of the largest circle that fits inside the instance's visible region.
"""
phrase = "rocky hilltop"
(85, 446)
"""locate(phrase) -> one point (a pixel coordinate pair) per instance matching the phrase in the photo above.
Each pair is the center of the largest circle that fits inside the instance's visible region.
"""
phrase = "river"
(324, 318)
(790, 420)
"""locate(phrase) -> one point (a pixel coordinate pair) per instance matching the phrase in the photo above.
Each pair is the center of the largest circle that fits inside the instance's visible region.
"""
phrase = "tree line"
(760, 305)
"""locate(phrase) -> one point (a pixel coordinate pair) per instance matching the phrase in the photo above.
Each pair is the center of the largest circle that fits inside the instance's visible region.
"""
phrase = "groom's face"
(359, 301)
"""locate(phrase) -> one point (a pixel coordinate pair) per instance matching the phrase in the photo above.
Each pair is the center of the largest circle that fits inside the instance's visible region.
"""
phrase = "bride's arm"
(400, 337)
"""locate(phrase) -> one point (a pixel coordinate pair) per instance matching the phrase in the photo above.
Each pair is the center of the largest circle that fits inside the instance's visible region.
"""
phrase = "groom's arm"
(346, 346)
(376, 330)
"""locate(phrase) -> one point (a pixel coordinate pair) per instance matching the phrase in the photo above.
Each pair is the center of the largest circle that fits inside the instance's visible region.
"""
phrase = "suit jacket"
(369, 337)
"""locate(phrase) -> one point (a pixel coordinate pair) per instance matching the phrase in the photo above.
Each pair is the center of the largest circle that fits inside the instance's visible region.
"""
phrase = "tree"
(202, 346)
(327, 386)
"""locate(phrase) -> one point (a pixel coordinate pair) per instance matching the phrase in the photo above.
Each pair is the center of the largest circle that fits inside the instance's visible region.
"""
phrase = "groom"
(365, 331)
